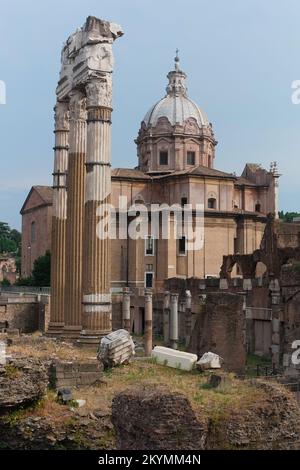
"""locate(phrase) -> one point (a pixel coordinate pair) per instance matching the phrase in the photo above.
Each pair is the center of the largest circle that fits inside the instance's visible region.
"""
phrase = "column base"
(55, 329)
(90, 337)
(71, 332)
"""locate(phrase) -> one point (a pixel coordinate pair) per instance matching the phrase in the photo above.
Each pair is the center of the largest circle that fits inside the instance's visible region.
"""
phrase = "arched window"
(257, 207)
(33, 232)
(212, 203)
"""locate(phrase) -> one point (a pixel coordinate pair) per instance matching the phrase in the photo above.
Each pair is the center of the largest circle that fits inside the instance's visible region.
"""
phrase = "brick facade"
(36, 226)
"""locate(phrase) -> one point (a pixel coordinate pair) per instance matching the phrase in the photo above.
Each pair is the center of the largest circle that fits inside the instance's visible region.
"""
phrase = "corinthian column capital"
(61, 116)
(77, 106)
(99, 92)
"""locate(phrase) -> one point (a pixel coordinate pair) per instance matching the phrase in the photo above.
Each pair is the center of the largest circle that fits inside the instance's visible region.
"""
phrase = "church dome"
(176, 106)
(177, 109)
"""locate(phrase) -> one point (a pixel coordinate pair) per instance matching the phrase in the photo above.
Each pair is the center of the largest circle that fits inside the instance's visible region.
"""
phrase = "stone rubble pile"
(22, 382)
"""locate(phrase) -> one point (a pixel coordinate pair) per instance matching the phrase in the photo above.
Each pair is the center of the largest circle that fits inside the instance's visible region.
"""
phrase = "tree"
(10, 240)
(25, 281)
(7, 245)
(41, 270)
(4, 229)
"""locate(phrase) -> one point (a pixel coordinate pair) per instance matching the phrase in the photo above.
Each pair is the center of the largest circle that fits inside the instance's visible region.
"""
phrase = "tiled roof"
(46, 193)
(129, 173)
(245, 182)
(201, 171)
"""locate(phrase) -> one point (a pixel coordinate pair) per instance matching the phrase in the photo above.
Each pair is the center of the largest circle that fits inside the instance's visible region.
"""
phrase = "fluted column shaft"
(58, 237)
(75, 214)
(96, 301)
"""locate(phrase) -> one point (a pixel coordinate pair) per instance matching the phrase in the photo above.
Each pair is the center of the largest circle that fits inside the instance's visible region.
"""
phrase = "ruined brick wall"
(23, 316)
(75, 374)
(220, 328)
(155, 418)
(26, 313)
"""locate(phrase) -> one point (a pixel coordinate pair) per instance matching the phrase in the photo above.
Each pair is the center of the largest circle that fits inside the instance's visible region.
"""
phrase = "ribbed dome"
(176, 106)
(176, 109)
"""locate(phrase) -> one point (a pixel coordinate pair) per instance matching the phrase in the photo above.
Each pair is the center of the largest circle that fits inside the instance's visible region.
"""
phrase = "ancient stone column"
(277, 309)
(75, 214)
(96, 302)
(148, 323)
(166, 318)
(126, 309)
(58, 236)
(174, 321)
(59, 218)
(188, 316)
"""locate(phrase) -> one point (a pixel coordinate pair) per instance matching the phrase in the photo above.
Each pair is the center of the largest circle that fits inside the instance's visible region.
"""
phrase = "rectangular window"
(184, 201)
(149, 280)
(182, 246)
(149, 246)
(191, 158)
(163, 158)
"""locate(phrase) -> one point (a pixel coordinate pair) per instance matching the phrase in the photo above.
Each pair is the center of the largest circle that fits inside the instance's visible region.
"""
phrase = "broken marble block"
(210, 360)
(116, 348)
(173, 358)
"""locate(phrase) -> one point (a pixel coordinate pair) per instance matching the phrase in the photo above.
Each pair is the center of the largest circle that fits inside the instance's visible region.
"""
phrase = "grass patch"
(11, 371)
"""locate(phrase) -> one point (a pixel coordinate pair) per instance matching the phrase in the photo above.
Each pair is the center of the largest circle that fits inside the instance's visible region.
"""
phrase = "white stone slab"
(173, 358)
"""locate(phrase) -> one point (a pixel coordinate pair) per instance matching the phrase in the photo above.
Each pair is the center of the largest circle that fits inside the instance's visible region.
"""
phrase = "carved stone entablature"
(99, 92)
(77, 106)
(61, 116)
(87, 51)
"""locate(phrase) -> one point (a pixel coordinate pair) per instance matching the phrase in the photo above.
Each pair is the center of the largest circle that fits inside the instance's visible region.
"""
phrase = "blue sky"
(240, 57)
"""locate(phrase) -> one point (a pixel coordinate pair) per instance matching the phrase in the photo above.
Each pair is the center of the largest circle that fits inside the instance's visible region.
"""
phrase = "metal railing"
(24, 290)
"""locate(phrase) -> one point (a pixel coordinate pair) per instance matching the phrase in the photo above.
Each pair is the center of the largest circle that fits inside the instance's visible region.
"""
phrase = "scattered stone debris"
(116, 348)
(64, 395)
(221, 382)
(13, 332)
(173, 358)
(209, 360)
(69, 431)
(80, 403)
(22, 382)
